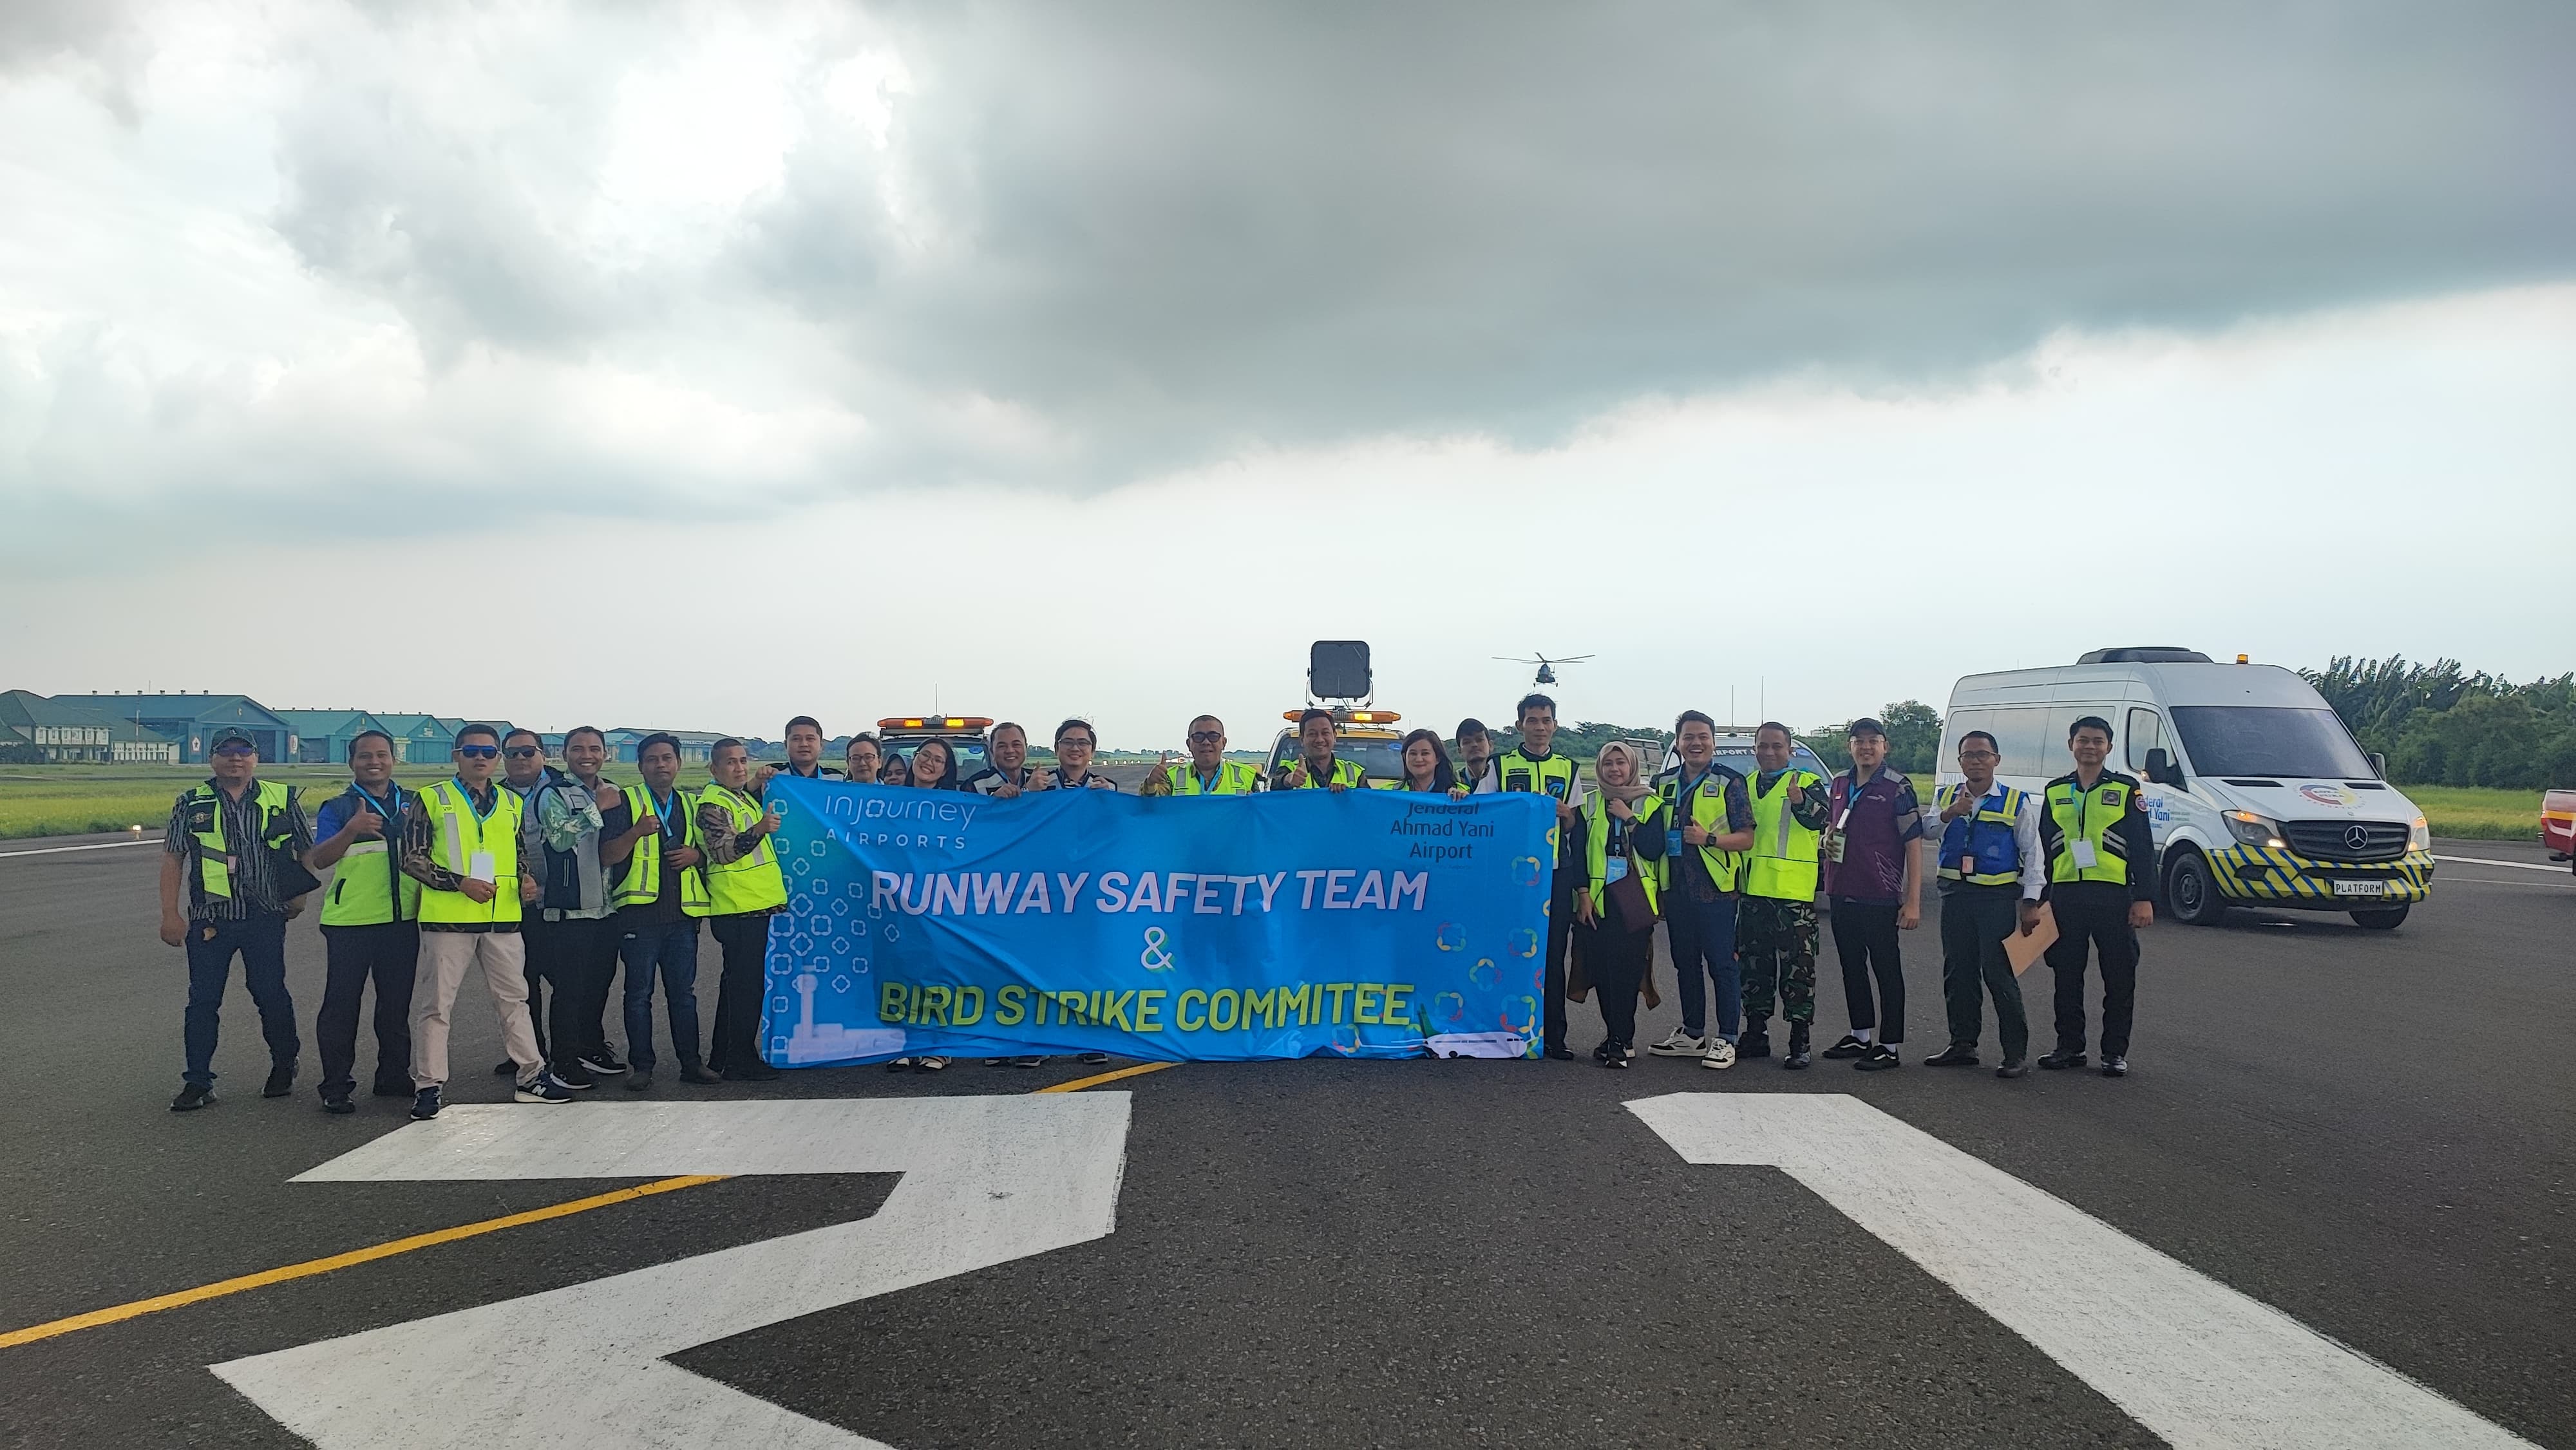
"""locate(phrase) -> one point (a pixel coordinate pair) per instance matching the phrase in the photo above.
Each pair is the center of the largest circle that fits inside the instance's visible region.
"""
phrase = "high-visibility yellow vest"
(1552, 775)
(1986, 836)
(1233, 777)
(214, 856)
(1782, 864)
(368, 887)
(457, 833)
(752, 880)
(1596, 832)
(2092, 815)
(1345, 773)
(1708, 812)
(642, 883)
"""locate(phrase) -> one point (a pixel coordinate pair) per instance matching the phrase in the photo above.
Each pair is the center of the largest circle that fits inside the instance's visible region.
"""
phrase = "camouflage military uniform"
(1775, 943)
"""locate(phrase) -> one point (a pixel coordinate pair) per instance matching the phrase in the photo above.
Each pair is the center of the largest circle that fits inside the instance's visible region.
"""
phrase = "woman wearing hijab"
(1614, 908)
(895, 771)
(1426, 767)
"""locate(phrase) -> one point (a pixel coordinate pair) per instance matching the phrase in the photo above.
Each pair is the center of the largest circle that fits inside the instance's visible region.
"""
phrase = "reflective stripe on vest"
(1596, 822)
(642, 883)
(1553, 776)
(1345, 773)
(751, 881)
(1783, 862)
(368, 887)
(456, 835)
(1233, 777)
(1987, 834)
(1708, 812)
(214, 859)
(2090, 815)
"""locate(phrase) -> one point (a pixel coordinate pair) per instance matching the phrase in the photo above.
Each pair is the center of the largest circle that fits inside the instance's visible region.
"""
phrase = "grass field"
(70, 800)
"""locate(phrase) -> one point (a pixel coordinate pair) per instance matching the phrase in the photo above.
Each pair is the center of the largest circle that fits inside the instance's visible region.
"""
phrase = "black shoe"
(1850, 1046)
(1953, 1055)
(696, 1073)
(192, 1097)
(425, 1104)
(2115, 1066)
(505, 1068)
(1756, 1043)
(602, 1061)
(1561, 1054)
(390, 1090)
(1601, 1053)
(639, 1079)
(2061, 1059)
(575, 1076)
(2013, 1067)
(1092, 1059)
(1797, 1058)
(281, 1081)
(1028, 1062)
(1614, 1057)
(1880, 1057)
(338, 1103)
(756, 1072)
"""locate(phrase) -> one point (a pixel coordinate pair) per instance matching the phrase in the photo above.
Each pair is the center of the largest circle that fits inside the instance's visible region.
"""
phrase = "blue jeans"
(261, 941)
(1703, 934)
(673, 949)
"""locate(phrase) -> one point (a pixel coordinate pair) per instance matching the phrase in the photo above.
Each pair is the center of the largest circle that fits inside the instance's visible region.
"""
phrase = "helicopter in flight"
(1546, 666)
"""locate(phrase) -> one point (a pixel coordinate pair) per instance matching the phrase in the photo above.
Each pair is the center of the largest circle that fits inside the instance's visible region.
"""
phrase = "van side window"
(2145, 733)
(2020, 738)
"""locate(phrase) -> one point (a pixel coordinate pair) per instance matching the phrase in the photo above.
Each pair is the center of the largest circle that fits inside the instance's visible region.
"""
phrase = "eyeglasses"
(521, 752)
(1200, 737)
(479, 752)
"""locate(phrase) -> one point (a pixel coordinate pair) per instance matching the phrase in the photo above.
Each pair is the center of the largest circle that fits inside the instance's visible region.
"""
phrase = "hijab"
(1636, 788)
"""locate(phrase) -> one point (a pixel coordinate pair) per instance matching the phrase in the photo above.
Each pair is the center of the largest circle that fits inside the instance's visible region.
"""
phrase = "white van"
(2258, 793)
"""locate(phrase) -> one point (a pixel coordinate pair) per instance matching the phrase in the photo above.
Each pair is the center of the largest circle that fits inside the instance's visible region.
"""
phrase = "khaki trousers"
(444, 956)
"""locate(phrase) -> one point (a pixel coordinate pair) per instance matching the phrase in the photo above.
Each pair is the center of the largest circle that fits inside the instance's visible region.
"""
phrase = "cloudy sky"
(698, 365)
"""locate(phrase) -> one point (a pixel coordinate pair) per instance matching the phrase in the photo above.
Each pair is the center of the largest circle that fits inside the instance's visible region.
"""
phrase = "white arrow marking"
(985, 1181)
(2194, 1361)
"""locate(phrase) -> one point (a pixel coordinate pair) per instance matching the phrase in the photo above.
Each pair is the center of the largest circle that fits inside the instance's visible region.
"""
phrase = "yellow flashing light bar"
(1348, 716)
(937, 722)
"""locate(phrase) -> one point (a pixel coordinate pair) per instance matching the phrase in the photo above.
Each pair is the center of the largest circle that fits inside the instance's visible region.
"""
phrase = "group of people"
(546, 880)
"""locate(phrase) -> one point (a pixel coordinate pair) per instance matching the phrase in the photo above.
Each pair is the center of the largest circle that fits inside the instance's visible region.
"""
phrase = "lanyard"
(392, 812)
(482, 813)
(662, 809)
(1207, 782)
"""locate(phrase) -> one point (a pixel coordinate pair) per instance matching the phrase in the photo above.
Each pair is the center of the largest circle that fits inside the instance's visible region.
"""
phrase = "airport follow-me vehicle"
(2258, 794)
(962, 734)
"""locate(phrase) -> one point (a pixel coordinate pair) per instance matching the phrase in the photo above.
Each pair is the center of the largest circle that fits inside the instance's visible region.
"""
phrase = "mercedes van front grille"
(2347, 840)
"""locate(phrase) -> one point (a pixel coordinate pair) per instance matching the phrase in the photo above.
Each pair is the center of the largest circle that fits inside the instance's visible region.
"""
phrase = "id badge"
(1834, 846)
(1614, 868)
(1967, 865)
(479, 867)
(2082, 851)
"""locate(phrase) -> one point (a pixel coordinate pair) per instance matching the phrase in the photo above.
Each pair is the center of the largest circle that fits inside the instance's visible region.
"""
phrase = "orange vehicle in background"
(2558, 825)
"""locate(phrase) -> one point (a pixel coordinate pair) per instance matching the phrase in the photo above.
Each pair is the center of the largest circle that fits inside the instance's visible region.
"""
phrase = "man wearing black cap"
(238, 843)
(1875, 884)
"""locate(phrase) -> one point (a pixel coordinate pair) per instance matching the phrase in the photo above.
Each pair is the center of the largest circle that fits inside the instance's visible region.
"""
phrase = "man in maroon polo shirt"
(1874, 883)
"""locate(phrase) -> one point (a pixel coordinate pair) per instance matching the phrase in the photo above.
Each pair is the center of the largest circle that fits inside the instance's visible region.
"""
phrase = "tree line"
(2438, 724)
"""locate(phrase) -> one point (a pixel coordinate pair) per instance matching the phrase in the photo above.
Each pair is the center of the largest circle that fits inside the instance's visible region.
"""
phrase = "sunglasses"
(521, 752)
(479, 752)
(235, 749)
(1206, 736)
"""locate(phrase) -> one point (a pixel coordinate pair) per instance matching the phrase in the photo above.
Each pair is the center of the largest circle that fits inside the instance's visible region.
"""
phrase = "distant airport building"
(323, 736)
(190, 721)
(36, 729)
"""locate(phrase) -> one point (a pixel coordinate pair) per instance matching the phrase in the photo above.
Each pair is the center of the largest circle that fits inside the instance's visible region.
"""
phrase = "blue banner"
(1297, 924)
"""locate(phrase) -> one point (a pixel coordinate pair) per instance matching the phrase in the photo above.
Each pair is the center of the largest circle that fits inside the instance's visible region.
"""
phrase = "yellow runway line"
(310, 1267)
(1078, 1084)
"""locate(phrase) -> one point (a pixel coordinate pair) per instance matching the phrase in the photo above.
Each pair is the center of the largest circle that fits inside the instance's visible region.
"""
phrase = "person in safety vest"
(1708, 827)
(1775, 921)
(1534, 766)
(650, 846)
(1316, 766)
(2101, 885)
(370, 925)
(1207, 772)
(238, 843)
(804, 757)
(461, 843)
(1874, 880)
(571, 811)
(1992, 874)
(744, 890)
(1427, 769)
(1008, 777)
(524, 772)
(1623, 836)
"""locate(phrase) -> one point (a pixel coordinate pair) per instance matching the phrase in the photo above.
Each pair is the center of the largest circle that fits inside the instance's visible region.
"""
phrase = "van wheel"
(2383, 918)
(2191, 891)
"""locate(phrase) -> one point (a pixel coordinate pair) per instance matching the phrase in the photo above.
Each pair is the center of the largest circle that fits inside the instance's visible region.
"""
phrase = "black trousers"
(2095, 914)
(352, 956)
(1975, 921)
(745, 940)
(545, 942)
(1560, 935)
(578, 960)
(1615, 959)
(1865, 939)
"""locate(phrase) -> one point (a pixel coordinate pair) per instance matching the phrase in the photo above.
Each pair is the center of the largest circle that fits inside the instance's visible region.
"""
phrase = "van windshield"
(2268, 740)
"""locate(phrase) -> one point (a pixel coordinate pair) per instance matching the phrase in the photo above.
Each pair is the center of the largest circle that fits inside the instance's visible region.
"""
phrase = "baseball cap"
(233, 737)
(1865, 725)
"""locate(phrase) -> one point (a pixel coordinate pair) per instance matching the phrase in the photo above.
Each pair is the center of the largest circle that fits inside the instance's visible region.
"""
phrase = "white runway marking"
(93, 846)
(2491, 861)
(2198, 1363)
(985, 1181)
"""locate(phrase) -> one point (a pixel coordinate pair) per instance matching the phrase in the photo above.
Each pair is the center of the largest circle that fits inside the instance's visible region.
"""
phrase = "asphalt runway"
(2369, 1131)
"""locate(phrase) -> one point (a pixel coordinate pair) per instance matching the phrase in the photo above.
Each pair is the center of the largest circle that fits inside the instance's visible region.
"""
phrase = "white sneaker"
(1720, 1054)
(1679, 1044)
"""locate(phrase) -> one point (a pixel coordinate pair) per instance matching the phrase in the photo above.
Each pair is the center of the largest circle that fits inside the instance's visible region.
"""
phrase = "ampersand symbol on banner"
(1155, 958)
